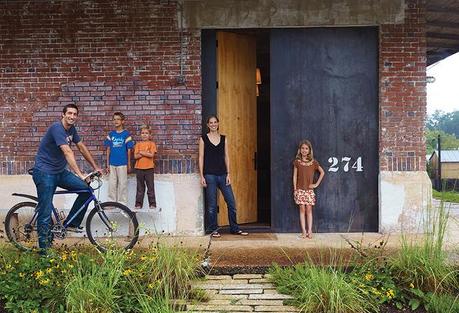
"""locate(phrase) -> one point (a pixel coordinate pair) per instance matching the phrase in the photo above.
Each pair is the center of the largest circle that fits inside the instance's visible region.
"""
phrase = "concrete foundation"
(404, 197)
(179, 196)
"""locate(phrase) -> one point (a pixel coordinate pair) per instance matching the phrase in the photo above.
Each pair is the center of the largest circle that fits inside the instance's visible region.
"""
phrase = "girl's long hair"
(310, 155)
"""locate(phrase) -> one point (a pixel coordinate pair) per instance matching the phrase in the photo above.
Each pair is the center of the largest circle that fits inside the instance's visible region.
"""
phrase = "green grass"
(321, 289)
(447, 196)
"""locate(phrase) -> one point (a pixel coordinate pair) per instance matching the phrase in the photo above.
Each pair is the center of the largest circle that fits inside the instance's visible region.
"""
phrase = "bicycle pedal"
(79, 229)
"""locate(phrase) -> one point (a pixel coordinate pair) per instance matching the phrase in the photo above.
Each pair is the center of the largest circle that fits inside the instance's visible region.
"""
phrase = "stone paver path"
(239, 293)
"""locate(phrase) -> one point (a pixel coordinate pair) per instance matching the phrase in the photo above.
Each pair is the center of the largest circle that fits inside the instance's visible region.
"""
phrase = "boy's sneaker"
(74, 229)
(155, 209)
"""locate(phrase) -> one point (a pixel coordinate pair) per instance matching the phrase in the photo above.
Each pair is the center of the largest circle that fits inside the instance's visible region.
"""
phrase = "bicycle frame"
(91, 198)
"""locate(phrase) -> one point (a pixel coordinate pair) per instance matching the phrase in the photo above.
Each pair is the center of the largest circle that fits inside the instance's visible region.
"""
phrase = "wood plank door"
(236, 109)
(324, 87)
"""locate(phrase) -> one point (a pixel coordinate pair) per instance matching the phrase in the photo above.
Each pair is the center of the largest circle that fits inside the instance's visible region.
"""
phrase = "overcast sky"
(443, 94)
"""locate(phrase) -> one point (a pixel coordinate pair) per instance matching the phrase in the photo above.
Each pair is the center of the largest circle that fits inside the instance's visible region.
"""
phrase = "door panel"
(324, 85)
(236, 107)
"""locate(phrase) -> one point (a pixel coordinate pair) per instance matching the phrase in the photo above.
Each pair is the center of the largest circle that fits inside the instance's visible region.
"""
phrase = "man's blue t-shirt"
(50, 158)
(119, 144)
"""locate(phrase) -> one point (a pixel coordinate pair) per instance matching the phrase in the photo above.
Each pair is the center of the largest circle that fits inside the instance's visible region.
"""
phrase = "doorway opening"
(236, 88)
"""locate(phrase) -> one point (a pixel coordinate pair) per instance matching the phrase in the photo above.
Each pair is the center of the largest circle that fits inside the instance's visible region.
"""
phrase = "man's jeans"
(214, 182)
(46, 186)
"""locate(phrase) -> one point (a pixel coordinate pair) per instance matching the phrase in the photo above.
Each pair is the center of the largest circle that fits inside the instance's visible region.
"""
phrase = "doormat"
(251, 236)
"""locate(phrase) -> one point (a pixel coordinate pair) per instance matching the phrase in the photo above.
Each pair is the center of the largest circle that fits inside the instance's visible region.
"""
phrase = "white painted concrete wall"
(179, 196)
(403, 197)
(403, 200)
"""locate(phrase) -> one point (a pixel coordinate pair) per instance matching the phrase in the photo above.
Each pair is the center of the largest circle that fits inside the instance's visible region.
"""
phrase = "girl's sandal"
(216, 234)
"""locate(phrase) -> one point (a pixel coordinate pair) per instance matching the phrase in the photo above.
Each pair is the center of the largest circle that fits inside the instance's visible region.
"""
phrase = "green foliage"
(93, 286)
(318, 289)
(114, 281)
(448, 141)
(447, 122)
(446, 196)
(442, 303)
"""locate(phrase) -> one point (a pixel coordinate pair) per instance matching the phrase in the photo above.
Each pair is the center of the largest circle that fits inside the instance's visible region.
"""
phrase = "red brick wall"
(105, 56)
(109, 56)
(402, 68)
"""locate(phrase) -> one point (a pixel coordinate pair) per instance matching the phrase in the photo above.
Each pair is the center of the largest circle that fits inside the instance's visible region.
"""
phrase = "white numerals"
(345, 161)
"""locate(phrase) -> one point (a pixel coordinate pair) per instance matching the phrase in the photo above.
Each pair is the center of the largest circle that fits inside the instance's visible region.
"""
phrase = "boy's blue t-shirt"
(119, 143)
(50, 158)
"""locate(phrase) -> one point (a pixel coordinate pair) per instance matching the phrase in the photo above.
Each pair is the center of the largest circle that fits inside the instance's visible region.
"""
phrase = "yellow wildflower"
(151, 286)
(39, 274)
(127, 272)
(16, 262)
(44, 282)
(143, 258)
(8, 266)
(369, 277)
(64, 257)
(49, 270)
(21, 275)
(52, 261)
(390, 293)
(411, 285)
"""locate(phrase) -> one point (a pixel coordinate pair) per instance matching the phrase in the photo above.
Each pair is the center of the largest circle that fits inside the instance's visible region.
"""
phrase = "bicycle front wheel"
(21, 226)
(112, 224)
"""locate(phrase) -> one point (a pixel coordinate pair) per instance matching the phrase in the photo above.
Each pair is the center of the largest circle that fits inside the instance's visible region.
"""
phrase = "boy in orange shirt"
(144, 153)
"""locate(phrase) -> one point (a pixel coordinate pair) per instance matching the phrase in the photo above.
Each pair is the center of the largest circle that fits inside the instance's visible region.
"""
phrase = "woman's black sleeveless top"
(214, 156)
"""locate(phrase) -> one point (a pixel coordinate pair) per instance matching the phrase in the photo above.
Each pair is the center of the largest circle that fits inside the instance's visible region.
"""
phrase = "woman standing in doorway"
(215, 173)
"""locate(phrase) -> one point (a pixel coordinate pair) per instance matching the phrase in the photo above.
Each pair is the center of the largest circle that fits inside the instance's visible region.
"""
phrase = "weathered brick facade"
(105, 56)
(109, 56)
(402, 68)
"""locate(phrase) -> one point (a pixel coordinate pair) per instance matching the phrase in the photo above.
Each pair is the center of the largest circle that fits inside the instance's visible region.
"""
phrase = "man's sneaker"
(74, 229)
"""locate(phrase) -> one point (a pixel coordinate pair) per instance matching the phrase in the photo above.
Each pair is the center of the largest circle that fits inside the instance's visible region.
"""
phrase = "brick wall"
(124, 55)
(105, 56)
(402, 68)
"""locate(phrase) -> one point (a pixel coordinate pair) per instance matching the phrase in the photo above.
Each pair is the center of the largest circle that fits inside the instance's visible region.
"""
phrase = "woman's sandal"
(241, 233)
(216, 234)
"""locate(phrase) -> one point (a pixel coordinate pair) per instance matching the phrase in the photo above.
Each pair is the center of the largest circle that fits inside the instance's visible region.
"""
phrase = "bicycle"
(107, 224)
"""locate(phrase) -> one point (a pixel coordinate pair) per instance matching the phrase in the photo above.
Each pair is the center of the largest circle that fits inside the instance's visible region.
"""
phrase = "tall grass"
(94, 287)
(322, 288)
(425, 263)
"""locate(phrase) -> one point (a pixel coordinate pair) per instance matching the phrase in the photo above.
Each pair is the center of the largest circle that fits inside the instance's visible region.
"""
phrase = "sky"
(443, 94)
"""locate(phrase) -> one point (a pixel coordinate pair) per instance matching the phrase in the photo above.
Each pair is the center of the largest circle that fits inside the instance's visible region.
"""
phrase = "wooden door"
(324, 87)
(236, 109)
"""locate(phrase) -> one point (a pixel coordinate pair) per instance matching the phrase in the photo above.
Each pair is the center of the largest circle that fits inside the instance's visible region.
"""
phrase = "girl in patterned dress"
(304, 168)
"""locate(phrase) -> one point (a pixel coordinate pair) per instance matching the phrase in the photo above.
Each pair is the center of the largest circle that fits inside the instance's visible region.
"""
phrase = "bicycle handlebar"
(91, 176)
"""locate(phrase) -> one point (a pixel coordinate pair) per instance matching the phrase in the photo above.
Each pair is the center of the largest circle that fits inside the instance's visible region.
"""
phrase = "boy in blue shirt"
(119, 144)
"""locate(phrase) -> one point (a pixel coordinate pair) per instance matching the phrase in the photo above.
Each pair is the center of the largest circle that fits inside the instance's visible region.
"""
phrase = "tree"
(448, 141)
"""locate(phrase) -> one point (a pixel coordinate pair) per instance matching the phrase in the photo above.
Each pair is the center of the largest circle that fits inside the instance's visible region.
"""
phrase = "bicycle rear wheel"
(112, 225)
(21, 226)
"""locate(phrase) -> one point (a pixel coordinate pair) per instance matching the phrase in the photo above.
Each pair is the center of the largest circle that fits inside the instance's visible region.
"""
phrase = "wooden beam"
(442, 35)
(442, 9)
(442, 24)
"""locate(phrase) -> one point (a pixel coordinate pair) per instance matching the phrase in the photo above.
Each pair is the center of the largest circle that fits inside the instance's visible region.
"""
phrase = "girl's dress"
(305, 177)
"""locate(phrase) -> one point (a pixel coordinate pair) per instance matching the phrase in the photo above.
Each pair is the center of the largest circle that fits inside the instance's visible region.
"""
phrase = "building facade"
(350, 75)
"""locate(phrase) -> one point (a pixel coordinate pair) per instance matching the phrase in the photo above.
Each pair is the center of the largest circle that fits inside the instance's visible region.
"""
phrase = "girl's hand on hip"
(313, 186)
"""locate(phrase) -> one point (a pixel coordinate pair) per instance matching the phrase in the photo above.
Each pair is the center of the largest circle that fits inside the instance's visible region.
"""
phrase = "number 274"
(345, 161)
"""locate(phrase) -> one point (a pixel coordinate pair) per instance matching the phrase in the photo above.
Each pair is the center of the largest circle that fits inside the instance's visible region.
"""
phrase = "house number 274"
(345, 163)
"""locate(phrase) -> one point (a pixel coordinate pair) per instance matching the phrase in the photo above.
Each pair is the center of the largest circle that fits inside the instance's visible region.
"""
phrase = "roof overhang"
(442, 31)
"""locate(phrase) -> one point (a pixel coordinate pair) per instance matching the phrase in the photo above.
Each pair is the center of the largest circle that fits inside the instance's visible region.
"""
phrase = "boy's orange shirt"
(145, 163)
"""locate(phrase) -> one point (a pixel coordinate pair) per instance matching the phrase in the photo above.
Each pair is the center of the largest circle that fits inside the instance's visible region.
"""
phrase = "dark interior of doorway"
(209, 100)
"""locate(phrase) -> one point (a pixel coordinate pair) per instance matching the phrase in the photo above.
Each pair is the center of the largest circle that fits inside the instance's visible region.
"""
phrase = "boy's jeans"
(117, 184)
(214, 182)
(46, 186)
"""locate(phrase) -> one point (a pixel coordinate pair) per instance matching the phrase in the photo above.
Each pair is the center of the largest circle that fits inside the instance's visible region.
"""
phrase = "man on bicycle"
(53, 156)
